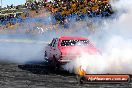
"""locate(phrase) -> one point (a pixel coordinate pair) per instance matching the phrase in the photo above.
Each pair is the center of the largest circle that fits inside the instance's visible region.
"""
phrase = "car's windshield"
(74, 42)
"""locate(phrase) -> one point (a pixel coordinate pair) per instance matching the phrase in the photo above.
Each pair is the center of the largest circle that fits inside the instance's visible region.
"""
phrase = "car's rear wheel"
(55, 63)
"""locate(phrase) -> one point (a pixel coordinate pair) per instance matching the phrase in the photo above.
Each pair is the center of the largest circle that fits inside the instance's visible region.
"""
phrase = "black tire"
(55, 63)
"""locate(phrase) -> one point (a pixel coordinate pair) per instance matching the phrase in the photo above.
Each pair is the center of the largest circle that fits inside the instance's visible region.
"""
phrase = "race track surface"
(39, 75)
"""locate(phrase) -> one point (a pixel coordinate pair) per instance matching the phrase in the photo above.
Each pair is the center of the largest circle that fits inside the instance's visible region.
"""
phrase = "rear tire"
(55, 63)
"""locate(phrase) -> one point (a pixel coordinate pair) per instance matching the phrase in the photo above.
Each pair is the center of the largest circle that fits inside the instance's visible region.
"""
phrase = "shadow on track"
(43, 68)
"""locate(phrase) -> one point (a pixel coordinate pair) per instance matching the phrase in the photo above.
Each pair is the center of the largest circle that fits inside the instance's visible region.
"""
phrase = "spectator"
(93, 8)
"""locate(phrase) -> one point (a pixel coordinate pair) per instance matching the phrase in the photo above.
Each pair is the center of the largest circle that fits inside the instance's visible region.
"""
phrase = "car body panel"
(65, 53)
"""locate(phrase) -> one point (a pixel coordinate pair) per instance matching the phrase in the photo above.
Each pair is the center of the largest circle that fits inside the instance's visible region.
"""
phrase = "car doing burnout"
(66, 48)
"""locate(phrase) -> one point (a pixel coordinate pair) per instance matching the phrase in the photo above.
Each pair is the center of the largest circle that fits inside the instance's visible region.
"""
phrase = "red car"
(66, 48)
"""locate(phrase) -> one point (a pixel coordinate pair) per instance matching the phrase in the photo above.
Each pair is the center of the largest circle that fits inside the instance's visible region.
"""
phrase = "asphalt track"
(39, 75)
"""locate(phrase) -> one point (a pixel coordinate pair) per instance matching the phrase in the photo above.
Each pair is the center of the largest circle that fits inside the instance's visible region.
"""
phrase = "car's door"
(49, 50)
(55, 48)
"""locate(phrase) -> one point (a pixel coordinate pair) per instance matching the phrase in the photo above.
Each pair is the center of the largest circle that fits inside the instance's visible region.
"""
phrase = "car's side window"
(55, 42)
(52, 42)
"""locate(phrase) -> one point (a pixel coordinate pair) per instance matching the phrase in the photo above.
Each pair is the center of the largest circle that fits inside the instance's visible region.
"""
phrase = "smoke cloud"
(112, 36)
(114, 39)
